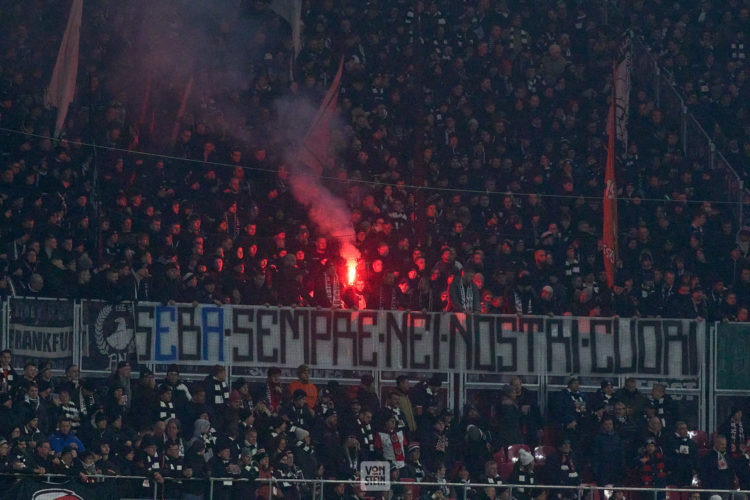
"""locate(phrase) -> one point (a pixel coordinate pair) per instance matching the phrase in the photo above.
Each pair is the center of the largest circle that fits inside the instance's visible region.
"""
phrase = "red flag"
(610, 201)
(314, 150)
(62, 87)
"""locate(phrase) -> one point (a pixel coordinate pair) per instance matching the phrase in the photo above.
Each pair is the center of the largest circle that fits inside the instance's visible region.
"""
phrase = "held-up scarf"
(273, 397)
(398, 450)
(467, 299)
(332, 290)
(567, 461)
(368, 441)
(519, 304)
(578, 401)
(737, 435)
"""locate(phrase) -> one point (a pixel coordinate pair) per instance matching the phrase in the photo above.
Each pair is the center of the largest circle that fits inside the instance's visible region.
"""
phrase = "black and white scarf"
(467, 299)
(578, 402)
(71, 412)
(6, 374)
(366, 437)
(33, 403)
(519, 303)
(737, 434)
(166, 411)
(400, 422)
(333, 292)
(221, 392)
(658, 404)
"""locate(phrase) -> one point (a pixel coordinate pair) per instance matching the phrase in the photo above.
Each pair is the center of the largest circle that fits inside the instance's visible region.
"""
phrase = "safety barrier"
(464, 490)
(697, 145)
(63, 485)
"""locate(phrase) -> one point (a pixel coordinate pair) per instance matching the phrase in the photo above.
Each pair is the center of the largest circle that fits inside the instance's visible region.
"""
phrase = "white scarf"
(467, 300)
(332, 290)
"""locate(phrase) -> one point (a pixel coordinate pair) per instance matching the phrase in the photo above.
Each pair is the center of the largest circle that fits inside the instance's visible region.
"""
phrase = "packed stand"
(704, 46)
(171, 431)
(512, 98)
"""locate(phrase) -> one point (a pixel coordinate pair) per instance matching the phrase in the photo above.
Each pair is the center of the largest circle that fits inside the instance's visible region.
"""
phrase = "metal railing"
(62, 479)
(463, 490)
(697, 144)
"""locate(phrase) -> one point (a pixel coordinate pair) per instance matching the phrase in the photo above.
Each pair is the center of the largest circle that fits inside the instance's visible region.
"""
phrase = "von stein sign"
(375, 476)
(415, 341)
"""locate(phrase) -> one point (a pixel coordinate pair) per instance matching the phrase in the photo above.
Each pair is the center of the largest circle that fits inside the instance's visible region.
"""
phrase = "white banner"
(414, 341)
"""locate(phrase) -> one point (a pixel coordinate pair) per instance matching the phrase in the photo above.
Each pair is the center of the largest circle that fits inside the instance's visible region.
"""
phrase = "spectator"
(608, 458)
(509, 415)
(631, 397)
(65, 437)
(681, 456)
(734, 428)
(303, 383)
(180, 391)
(570, 408)
(404, 403)
(9, 376)
(524, 474)
(217, 391)
(561, 468)
(366, 394)
(463, 294)
(273, 392)
(413, 468)
(391, 444)
(716, 468)
(652, 467)
(604, 396)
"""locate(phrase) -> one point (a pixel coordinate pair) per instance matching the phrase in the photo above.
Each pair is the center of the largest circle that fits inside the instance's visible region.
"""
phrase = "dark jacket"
(717, 471)
(608, 458)
(681, 456)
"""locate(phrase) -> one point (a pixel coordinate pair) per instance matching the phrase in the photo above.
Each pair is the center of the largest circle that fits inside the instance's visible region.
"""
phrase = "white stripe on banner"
(413, 341)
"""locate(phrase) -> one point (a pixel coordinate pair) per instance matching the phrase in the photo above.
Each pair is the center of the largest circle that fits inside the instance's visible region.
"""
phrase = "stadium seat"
(676, 495)
(542, 452)
(593, 494)
(414, 487)
(700, 438)
(505, 470)
(500, 457)
(514, 450)
(549, 436)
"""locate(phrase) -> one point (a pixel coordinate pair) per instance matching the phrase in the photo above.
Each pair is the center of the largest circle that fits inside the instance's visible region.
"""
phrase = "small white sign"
(375, 476)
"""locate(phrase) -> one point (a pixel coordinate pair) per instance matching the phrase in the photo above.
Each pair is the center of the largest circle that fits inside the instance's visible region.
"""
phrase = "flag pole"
(181, 111)
(609, 226)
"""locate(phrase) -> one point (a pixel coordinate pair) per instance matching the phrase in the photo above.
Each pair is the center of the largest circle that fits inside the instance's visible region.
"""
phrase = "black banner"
(42, 331)
(108, 335)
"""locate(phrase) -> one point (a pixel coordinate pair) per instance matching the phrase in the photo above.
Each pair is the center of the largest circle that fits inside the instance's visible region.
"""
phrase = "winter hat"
(525, 457)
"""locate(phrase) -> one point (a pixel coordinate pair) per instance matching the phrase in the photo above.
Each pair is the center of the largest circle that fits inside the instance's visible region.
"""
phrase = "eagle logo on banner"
(114, 332)
(56, 494)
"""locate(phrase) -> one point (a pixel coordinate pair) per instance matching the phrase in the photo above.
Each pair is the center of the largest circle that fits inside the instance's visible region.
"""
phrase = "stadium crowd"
(506, 103)
(470, 148)
(704, 47)
(173, 432)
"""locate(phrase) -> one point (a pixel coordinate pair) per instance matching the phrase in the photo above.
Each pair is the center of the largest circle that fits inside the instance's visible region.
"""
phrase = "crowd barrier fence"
(63, 484)
(697, 145)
